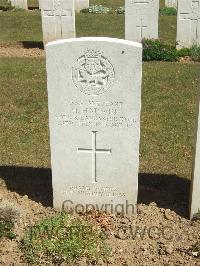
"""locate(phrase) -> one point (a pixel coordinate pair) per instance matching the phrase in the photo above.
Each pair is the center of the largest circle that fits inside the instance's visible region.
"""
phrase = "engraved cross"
(57, 10)
(141, 26)
(94, 151)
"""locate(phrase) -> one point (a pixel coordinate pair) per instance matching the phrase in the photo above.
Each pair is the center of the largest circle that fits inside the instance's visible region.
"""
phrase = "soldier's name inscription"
(95, 113)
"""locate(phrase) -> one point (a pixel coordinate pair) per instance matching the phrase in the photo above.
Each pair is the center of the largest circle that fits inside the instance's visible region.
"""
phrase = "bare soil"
(18, 50)
(156, 236)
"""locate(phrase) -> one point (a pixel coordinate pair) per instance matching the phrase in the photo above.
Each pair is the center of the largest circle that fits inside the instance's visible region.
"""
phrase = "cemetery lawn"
(168, 115)
(169, 98)
(111, 25)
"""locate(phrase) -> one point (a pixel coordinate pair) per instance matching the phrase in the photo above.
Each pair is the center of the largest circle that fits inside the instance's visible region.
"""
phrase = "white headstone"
(94, 99)
(171, 3)
(141, 19)
(81, 4)
(188, 23)
(19, 4)
(39, 4)
(58, 19)
(195, 191)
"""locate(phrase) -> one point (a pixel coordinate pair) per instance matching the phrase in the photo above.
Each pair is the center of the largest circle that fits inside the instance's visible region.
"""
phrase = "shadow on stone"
(32, 44)
(167, 191)
(33, 182)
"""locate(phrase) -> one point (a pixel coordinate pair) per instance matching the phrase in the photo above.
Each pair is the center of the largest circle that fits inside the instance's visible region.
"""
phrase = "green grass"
(110, 25)
(23, 108)
(86, 25)
(61, 239)
(167, 29)
(3, 3)
(167, 123)
(18, 26)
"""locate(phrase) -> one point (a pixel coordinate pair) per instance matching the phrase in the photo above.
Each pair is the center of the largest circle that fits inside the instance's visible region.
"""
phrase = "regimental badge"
(92, 73)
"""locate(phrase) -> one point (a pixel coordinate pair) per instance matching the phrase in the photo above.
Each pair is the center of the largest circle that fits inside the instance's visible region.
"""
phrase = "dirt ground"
(18, 50)
(160, 234)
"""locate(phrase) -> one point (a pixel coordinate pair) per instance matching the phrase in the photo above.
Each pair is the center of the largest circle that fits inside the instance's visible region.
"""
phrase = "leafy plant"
(184, 52)
(197, 216)
(97, 9)
(156, 50)
(120, 10)
(5, 5)
(168, 11)
(62, 239)
(195, 53)
(6, 230)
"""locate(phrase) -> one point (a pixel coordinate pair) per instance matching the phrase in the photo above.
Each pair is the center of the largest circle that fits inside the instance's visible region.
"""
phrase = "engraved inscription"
(110, 114)
(94, 191)
(94, 151)
(92, 73)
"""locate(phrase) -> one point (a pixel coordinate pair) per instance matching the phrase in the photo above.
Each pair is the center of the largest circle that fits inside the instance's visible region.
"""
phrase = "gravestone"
(188, 23)
(141, 19)
(195, 189)
(94, 99)
(58, 19)
(81, 4)
(171, 3)
(19, 4)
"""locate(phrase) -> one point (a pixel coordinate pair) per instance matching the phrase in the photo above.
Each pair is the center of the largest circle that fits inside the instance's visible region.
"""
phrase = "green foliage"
(197, 216)
(5, 5)
(97, 9)
(120, 10)
(195, 53)
(156, 50)
(168, 11)
(184, 52)
(100, 9)
(6, 230)
(62, 239)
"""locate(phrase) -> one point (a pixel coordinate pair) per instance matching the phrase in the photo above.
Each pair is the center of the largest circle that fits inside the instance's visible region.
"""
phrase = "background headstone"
(188, 23)
(58, 19)
(171, 3)
(19, 4)
(94, 98)
(141, 19)
(81, 4)
(195, 190)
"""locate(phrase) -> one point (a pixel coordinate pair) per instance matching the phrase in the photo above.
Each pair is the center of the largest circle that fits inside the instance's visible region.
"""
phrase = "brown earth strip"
(17, 50)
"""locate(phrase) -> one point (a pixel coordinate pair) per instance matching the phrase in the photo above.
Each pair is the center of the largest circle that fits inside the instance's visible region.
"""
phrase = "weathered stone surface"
(188, 23)
(94, 96)
(81, 4)
(58, 19)
(19, 4)
(195, 190)
(141, 19)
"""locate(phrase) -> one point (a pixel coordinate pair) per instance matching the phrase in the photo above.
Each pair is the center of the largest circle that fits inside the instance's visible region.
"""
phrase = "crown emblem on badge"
(92, 73)
(92, 54)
